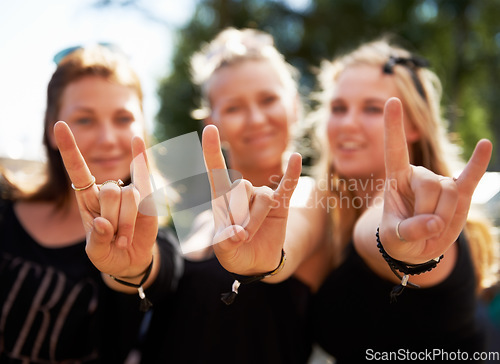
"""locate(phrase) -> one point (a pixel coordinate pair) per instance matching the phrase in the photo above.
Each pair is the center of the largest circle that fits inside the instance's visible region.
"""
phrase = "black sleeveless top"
(353, 319)
(265, 324)
(55, 307)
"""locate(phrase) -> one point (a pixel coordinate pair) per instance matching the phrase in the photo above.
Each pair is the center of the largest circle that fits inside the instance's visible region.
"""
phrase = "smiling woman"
(56, 305)
(250, 106)
(103, 117)
(250, 94)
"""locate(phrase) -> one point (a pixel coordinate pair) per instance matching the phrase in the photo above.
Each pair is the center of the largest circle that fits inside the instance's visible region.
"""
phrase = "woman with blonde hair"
(383, 165)
(250, 93)
(372, 71)
(420, 93)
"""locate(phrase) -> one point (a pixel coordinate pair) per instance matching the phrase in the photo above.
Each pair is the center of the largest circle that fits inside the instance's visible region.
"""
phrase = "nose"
(256, 115)
(350, 119)
(107, 133)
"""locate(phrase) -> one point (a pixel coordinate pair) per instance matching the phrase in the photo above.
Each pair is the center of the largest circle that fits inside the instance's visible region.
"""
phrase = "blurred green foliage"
(461, 38)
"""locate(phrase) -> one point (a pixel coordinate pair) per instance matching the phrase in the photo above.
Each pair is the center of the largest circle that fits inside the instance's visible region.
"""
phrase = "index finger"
(76, 167)
(220, 182)
(395, 147)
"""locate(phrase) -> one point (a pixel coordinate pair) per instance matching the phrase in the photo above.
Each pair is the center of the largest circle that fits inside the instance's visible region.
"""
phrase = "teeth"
(350, 145)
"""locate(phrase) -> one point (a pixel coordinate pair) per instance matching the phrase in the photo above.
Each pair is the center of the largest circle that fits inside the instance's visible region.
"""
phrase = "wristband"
(229, 297)
(145, 303)
(405, 268)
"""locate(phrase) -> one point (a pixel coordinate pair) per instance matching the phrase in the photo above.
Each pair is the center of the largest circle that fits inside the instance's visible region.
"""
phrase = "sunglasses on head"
(67, 51)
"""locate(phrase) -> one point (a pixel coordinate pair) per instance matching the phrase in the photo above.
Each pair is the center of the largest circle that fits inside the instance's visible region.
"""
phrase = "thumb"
(226, 246)
(420, 227)
(230, 238)
(99, 240)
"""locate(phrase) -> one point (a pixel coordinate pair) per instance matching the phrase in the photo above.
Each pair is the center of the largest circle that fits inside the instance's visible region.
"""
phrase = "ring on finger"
(119, 183)
(85, 187)
(397, 231)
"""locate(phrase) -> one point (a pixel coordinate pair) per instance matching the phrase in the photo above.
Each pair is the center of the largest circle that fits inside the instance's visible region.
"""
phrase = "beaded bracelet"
(145, 303)
(405, 268)
(229, 297)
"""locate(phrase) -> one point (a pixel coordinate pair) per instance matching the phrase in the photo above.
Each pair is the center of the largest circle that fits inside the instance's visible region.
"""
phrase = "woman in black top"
(363, 183)
(55, 305)
(249, 92)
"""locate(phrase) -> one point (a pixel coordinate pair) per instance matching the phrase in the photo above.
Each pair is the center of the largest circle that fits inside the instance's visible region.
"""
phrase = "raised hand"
(120, 240)
(431, 210)
(250, 222)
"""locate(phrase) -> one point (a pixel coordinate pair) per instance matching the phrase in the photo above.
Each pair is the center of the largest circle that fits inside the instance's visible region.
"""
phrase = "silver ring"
(119, 183)
(397, 231)
(84, 188)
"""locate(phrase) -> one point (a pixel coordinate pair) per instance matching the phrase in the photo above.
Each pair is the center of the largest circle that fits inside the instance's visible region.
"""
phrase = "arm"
(431, 209)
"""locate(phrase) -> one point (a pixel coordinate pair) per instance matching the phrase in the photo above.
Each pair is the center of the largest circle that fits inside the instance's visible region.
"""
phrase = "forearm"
(306, 243)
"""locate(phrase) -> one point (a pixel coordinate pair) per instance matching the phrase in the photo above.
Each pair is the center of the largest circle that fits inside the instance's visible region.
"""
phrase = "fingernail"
(122, 242)
(239, 236)
(236, 236)
(98, 229)
(432, 226)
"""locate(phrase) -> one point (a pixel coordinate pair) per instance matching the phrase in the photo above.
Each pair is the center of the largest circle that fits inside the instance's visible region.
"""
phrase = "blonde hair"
(420, 91)
(232, 46)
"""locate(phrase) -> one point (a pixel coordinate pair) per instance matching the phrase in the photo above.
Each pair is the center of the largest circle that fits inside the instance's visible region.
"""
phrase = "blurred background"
(461, 38)
(32, 32)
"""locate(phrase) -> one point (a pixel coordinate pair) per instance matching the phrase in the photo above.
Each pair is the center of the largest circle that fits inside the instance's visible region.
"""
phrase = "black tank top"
(353, 319)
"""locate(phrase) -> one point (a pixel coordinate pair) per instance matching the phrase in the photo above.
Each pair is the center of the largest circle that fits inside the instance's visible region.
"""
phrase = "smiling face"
(356, 124)
(103, 117)
(253, 112)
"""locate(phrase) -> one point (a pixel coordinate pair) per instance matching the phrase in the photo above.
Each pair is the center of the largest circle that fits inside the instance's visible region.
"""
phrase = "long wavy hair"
(420, 91)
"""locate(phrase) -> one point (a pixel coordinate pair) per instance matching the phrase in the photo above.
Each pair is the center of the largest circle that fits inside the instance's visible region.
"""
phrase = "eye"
(269, 99)
(338, 109)
(125, 119)
(232, 109)
(83, 121)
(374, 110)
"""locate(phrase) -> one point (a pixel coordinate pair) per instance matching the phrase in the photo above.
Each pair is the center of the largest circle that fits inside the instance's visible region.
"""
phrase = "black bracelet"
(405, 268)
(145, 303)
(229, 297)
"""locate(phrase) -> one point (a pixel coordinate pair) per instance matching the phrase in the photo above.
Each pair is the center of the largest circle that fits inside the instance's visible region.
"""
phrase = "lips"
(349, 146)
(108, 162)
(258, 139)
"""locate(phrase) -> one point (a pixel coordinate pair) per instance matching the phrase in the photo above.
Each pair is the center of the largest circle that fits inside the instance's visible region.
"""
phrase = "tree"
(461, 38)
